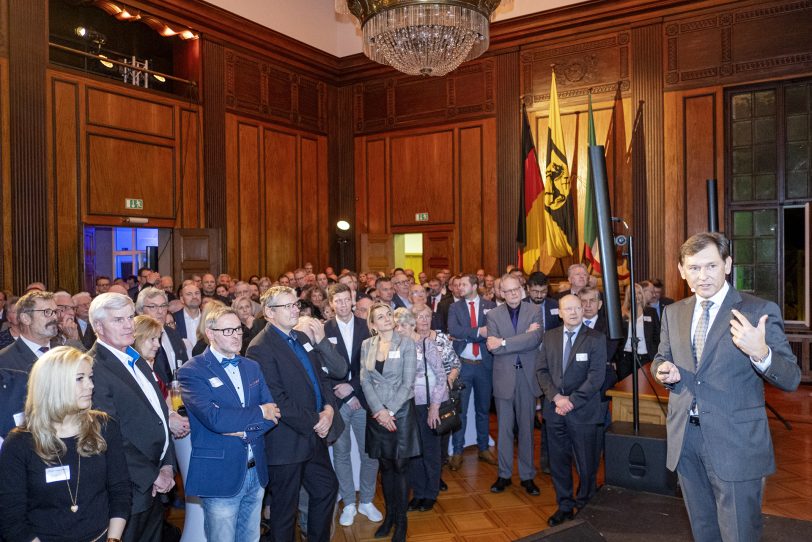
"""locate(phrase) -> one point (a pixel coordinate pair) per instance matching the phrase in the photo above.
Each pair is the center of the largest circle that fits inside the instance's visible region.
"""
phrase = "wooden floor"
(469, 512)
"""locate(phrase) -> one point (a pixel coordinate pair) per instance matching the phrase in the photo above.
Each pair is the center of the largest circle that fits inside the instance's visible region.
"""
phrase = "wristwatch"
(504, 342)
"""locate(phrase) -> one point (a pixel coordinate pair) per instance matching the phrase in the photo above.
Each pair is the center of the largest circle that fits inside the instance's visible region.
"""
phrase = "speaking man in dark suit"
(571, 370)
(514, 335)
(346, 332)
(716, 350)
(230, 410)
(38, 320)
(128, 392)
(296, 451)
(466, 324)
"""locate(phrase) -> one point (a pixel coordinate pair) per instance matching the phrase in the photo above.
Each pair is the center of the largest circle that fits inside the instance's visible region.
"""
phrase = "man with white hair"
(126, 390)
(66, 322)
(172, 352)
(81, 302)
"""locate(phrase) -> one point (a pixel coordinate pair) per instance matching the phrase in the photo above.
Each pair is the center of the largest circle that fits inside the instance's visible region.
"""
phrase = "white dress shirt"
(468, 352)
(347, 329)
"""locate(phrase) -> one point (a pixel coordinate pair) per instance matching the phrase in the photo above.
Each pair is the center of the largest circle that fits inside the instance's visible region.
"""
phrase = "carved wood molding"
(402, 101)
(597, 64)
(256, 87)
(726, 46)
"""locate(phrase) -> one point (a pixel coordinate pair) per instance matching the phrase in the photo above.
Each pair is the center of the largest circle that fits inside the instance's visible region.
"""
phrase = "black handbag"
(449, 410)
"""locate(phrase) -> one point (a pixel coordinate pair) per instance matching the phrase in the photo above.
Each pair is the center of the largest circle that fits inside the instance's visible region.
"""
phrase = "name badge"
(215, 382)
(19, 419)
(419, 356)
(326, 370)
(647, 318)
(554, 312)
(394, 354)
(581, 357)
(308, 347)
(333, 340)
(57, 474)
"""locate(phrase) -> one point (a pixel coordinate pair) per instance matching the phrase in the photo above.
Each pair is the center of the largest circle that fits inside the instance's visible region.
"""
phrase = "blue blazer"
(180, 323)
(459, 327)
(219, 463)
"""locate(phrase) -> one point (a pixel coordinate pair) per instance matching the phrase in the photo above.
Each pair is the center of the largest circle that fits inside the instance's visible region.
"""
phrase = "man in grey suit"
(714, 360)
(514, 334)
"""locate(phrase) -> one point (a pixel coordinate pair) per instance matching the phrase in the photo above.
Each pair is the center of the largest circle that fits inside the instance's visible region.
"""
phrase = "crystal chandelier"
(424, 37)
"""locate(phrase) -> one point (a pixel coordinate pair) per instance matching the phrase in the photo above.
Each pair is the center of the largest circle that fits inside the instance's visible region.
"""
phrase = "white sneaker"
(347, 515)
(368, 509)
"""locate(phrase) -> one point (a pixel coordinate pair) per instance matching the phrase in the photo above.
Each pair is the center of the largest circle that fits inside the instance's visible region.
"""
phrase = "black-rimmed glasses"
(228, 331)
(288, 306)
(47, 313)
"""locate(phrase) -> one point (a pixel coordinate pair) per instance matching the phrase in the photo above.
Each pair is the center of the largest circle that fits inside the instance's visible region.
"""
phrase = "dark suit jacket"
(293, 441)
(398, 302)
(360, 333)
(12, 398)
(728, 389)
(88, 337)
(582, 381)
(459, 327)
(439, 320)
(651, 331)
(118, 394)
(180, 325)
(664, 302)
(161, 366)
(602, 326)
(550, 307)
(17, 356)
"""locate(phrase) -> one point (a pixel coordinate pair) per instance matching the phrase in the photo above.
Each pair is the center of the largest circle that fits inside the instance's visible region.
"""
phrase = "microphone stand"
(635, 339)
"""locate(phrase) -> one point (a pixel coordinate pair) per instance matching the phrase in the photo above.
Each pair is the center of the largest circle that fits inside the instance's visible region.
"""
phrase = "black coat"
(17, 356)
(360, 333)
(12, 398)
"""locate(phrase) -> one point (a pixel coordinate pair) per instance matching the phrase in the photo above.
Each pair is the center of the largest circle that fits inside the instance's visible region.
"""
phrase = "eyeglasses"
(163, 306)
(512, 291)
(47, 313)
(228, 331)
(288, 306)
(63, 308)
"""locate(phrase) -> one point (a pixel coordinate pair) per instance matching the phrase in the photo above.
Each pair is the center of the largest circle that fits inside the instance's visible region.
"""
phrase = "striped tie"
(702, 330)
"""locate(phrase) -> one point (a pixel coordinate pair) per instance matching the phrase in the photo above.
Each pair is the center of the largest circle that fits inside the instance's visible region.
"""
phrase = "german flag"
(531, 209)
(559, 216)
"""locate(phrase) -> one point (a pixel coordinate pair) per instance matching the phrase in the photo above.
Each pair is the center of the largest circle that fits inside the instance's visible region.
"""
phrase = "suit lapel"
(684, 318)
(218, 371)
(124, 374)
(579, 340)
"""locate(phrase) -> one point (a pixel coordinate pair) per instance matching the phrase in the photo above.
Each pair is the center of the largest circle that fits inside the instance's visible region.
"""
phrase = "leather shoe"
(530, 487)
(455, 462)
(443, 485)
(415, 504)
(500, 484)
(426, 505)
(560, 517)
(488, 457)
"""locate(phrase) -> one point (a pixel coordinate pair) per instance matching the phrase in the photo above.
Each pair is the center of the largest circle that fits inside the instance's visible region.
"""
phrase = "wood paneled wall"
(108, 143)
(447, 171)
(276, 197)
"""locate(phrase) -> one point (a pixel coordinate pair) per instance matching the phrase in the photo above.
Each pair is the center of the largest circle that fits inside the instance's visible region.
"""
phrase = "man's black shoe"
(560, 517)
(427, 504)
(443, 485)
(500, 484)
(415, 504)
(530, 487)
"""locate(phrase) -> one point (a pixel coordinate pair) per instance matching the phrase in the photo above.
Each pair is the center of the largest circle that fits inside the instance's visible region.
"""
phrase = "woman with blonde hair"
(202, 340)
(64, 476)
(388, 367)
(647, 330)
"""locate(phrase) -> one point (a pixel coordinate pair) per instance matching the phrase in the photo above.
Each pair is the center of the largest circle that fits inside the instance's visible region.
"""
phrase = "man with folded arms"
(230, 409)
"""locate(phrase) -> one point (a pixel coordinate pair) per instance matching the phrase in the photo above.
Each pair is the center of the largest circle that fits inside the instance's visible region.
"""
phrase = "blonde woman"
(647, 329)
(202, 340)
(64, 476)
(388, 368)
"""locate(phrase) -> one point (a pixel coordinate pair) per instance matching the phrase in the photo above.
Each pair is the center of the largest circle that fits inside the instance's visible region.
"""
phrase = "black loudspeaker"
(638, 461)
(572, 531)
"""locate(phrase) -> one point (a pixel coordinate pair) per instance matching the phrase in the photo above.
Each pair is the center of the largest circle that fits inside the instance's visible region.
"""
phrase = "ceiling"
(316, 23)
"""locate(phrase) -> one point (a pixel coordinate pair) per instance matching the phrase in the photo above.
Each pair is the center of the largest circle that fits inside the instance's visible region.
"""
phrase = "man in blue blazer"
(717, 348)
(466, 324)
(230, 409)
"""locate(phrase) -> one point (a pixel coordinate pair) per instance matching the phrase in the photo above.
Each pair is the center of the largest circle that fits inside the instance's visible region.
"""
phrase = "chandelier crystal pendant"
(424, 37)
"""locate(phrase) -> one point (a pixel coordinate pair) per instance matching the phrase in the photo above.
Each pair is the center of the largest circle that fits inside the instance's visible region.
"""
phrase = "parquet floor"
(469, 512)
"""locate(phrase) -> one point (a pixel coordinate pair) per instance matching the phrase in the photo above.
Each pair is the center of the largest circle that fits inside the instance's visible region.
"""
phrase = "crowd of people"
(271, 374)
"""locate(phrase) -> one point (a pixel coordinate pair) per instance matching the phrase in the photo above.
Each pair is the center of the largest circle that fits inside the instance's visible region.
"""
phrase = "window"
(769, 190)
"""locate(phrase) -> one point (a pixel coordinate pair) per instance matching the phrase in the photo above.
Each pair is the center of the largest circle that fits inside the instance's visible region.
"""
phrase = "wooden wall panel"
(282, 200)
(422, 176)
(111, 110)
(248, 208)
(376, 187)
(6, 270)
(190, 158)
(310, 198)
(737, 43)
(214, 138)
(341, 186)
(508, 147)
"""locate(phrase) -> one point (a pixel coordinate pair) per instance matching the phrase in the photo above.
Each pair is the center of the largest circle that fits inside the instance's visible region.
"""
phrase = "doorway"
(120, 252)
(409, 251)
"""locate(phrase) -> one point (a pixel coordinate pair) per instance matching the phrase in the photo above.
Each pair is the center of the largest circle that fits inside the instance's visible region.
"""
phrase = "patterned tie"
(567, 350)
(475, 346)
(702, 330)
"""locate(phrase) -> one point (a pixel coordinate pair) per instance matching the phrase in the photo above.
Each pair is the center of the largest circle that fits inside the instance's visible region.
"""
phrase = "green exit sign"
(421, 217)
(130, 203)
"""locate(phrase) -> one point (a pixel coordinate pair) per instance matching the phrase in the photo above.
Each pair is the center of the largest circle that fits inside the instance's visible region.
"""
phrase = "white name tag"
(647, 318)
(394, 354)
(554, 312)
(419, 356)
(308, 347)
(19, 419)
(325, 370)
(333, 340)
(581, 357)
(57, 474)
(215, 382)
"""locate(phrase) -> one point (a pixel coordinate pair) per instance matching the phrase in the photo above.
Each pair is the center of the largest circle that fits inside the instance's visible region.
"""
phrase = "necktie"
(44, 349)
(567, 350)
(702, 330)
(588, 323)
(233, 362)
(475, 346)
(431, 303)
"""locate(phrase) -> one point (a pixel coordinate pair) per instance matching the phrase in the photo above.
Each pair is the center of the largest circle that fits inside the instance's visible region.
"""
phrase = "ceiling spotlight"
(343, 225)
(80, 31)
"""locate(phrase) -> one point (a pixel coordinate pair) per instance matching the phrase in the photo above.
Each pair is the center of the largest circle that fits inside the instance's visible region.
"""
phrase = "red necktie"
(473, 324)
